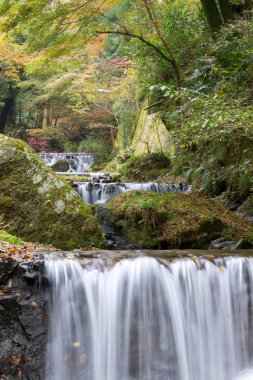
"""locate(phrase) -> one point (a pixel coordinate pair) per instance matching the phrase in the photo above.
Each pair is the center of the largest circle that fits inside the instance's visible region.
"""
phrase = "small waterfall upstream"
(78, 162)
(101, 192)
(149, 319)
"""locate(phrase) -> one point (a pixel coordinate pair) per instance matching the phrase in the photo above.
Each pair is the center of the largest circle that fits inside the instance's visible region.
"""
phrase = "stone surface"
(23, 320)
(39, 205)
(246, 208)
(171, 220)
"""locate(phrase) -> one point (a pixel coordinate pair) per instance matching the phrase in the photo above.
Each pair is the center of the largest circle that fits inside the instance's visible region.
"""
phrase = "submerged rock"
(38, 205)
(170, 220)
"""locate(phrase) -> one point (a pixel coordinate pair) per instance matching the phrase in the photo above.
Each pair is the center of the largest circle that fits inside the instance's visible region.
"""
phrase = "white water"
(78, 162)
(101, 192)
(145, 320)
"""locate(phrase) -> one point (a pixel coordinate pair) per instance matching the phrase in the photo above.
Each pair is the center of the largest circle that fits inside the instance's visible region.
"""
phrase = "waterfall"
(78, 162)
(101, 192)
(144, 319)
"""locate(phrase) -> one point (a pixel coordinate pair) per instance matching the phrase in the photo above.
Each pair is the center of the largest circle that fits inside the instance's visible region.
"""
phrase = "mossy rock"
(145, 167)
(171, 220)
(247, 207)
(60, 166)
(5, 237)
(38, 205)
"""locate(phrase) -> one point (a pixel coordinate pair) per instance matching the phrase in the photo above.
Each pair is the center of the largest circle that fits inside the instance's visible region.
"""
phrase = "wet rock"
(222, 243)
(243, 244)
(7, 269)
(23, 321)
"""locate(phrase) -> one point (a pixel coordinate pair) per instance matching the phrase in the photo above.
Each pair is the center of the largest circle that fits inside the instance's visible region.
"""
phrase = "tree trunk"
(48, 117)
(5, 111)
(56, 120)
(212, 14)
(226, 11)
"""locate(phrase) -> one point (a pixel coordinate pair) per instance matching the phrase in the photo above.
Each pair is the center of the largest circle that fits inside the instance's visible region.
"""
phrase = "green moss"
(5, 237)
(152, 220)
(43, 207)
(76, 178)
(145, 167)
(61, 166)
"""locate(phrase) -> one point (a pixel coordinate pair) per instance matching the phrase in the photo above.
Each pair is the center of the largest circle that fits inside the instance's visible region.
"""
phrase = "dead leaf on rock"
(15, 360)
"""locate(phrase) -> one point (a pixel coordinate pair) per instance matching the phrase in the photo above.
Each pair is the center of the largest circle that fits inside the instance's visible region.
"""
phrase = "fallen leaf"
(34, 304)
(15, 360)
(28, 256)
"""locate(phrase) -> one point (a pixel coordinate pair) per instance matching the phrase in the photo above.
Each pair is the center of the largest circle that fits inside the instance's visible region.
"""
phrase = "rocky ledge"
(23, 318)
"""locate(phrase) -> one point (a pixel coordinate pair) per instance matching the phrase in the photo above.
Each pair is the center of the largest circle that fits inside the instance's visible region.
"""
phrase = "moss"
(61, 166)
(152, 220)
(5, 237)
(145, 167)
(5, 202)
(76, 178)
(43, 207)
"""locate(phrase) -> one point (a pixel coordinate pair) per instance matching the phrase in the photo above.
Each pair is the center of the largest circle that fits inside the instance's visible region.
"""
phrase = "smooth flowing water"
(149, 319)
(101, 192)
(78, 162)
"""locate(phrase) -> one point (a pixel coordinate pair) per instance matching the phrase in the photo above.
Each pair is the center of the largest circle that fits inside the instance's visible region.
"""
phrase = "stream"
(101, 188)
(148, 315)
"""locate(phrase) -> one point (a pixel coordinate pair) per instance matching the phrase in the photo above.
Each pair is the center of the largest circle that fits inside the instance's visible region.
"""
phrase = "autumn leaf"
(15, 360)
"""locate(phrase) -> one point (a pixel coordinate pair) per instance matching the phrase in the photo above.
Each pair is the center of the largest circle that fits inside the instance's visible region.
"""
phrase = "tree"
(12, 62)
(7, 107)
(218, 13)
(226, 11)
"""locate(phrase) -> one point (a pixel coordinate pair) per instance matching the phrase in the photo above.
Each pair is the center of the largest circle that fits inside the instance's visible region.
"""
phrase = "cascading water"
(78, 162)
(101, 192)
(144, 319)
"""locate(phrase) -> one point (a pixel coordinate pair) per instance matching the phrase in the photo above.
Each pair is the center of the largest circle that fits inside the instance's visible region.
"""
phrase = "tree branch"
(141, 38)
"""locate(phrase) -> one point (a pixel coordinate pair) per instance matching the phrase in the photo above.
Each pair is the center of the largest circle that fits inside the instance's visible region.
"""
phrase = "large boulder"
(39, 206)
(171, 220)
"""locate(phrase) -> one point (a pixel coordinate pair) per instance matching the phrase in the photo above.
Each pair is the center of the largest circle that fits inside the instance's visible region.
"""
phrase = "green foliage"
(100, 148)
